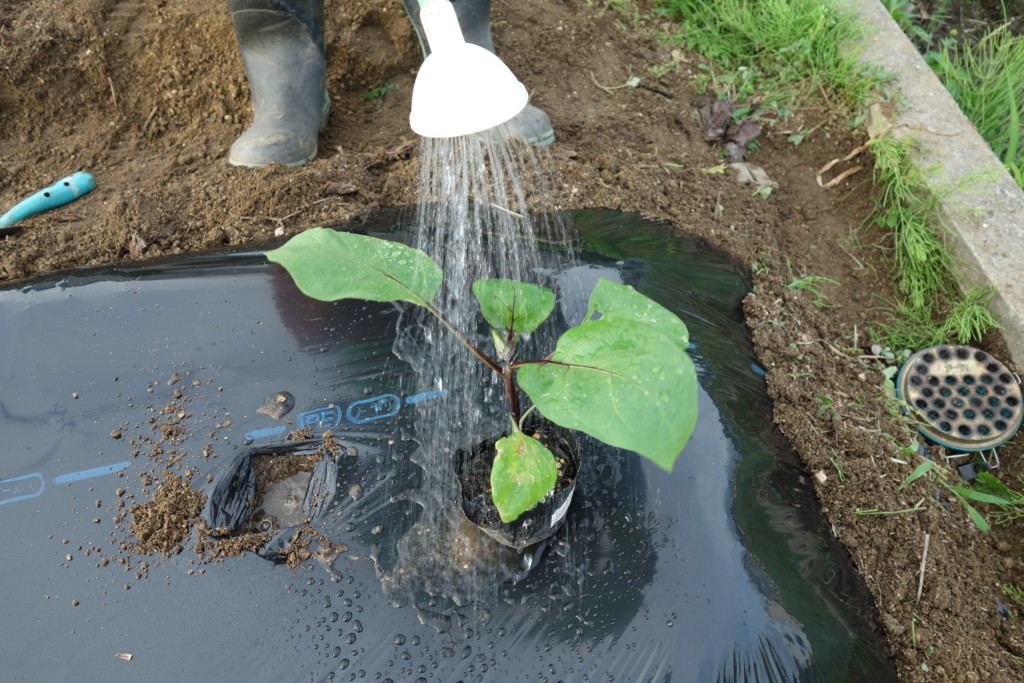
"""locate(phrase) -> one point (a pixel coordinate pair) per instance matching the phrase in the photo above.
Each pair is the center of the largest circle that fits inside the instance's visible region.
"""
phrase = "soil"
(148, 96)
(968, 19)
(474, 472)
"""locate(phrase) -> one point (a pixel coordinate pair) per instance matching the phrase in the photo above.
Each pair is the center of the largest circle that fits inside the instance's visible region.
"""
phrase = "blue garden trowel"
(58, 194)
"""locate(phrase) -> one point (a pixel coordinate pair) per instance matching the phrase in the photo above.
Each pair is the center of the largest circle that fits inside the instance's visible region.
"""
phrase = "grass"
(987, 80)
(918, 28)
(783, 52)
(775, 55)
(992, 493)
(378, 93)
(1014, 592)
(929, 307)
(812, 284)
(1012, 507)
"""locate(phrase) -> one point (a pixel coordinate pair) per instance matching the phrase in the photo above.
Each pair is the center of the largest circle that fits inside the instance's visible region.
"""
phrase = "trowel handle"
(58, 194)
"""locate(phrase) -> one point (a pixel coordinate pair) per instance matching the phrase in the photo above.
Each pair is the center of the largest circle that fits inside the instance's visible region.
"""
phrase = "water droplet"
(399, 640)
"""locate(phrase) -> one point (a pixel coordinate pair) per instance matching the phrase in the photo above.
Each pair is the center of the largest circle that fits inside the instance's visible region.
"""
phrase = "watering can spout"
(461, 87)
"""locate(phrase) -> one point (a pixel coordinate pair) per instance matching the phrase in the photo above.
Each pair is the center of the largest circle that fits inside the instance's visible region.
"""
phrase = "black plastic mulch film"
(688, 576)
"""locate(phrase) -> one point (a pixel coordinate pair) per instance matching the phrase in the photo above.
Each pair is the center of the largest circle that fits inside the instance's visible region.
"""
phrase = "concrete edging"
(987, 219)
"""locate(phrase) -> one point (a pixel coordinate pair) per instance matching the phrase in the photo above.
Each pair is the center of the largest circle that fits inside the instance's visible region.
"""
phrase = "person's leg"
(282, 47)
(475, 20)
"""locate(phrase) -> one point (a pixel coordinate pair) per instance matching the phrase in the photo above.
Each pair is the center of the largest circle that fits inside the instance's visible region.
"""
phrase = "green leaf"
(989, 483)
(918, 472)
(330, 265)
(616, 301)
(625, 378)
(513, 305)
(524, 471)
(975, 516)
(978, 496)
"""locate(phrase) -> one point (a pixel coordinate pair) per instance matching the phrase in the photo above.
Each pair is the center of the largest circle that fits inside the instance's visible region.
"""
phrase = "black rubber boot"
(282, 46)
(532, 124)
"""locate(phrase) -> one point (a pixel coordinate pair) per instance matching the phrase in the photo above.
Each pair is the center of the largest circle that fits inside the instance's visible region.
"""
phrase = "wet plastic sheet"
(705, 574)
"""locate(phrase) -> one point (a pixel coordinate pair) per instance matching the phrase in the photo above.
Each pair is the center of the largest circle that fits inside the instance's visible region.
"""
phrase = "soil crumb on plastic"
(161, 524)
(298, 550)
(218, 544)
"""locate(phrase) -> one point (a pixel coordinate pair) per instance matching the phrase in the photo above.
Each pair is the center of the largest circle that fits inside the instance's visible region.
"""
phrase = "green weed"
(917, 27)
(967, 321)
(378, 93)
(1014, 593)
(826, 406)
(1012, 507)
(839, 471)
(812, 284)
(961, 493)
(789, 51)
(987, 80)
(873, 511)
(905, 207)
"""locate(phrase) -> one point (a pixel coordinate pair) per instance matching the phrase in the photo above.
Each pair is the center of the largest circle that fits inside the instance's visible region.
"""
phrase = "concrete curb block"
(987, 218)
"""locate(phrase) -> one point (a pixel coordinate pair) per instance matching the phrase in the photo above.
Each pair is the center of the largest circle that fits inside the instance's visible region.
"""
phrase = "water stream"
(477, 217)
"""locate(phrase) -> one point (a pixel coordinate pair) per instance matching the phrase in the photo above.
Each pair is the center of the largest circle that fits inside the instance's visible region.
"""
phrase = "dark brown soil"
(968, 19)
(474, 471)
(148, 96)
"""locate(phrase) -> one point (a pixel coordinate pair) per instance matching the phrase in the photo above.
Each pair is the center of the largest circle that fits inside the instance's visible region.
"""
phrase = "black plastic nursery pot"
(114, 378)
(473, 470)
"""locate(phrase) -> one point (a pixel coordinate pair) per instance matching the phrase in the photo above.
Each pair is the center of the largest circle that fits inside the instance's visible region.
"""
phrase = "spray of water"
(485, 211)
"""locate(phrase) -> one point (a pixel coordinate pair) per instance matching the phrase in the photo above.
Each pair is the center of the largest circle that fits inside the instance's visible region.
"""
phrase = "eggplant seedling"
(623, 375)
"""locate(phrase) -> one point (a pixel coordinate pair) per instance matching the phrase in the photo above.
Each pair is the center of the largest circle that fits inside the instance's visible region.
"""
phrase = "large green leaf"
(330, 265)
(616, 301)
(513, 305)
(523, 472)
(624, 378)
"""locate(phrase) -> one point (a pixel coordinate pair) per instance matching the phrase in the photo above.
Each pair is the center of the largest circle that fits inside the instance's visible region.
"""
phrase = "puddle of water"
(707, 573)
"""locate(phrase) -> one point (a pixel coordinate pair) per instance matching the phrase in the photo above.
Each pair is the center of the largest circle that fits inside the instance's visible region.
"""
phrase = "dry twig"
(924, 560)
